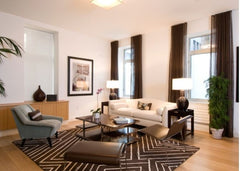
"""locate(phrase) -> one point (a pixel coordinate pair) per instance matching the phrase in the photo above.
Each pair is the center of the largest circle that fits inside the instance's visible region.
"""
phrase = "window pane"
(124, 70)
(127, 54)
(127, 78)
(198, 43)
(39, 62)
(200, 71)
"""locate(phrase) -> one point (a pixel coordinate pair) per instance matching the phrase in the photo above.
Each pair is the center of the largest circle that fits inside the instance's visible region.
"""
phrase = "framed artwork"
(237, 74)
(80, 76)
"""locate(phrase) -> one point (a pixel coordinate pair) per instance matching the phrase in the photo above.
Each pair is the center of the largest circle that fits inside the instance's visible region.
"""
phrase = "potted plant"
(8, 46)
(96, 112)
(218, 104)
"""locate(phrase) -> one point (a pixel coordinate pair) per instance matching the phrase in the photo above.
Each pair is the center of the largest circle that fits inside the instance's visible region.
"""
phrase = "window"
(39, 62)
(199, 65)
(125, 71)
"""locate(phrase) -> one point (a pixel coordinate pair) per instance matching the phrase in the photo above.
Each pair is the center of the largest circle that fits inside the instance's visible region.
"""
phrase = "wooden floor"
(214, 155)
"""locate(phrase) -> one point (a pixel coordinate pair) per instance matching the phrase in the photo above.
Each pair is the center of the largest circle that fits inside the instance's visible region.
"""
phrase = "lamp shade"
(112, 84)
(182, 84)
(106, 3)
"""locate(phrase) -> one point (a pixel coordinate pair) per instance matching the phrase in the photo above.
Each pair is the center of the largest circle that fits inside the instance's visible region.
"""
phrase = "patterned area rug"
(148, 154)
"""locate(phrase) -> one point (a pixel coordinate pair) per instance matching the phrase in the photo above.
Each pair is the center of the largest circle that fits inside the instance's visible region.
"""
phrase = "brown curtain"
(177, 55)
(136, 80)
(114, 62)
(222, 47)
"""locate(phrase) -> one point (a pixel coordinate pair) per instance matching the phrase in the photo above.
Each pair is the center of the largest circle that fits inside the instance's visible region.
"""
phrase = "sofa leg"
(23, 142)
(56, 134)
(49, 141)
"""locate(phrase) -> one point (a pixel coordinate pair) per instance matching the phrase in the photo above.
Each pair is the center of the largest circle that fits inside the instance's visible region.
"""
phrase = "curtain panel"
(222, 48)
(136, 80)
(177, 55)
(114, 63)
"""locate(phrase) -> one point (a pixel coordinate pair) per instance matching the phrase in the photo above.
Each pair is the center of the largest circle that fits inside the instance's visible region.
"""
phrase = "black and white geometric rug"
(148, 154)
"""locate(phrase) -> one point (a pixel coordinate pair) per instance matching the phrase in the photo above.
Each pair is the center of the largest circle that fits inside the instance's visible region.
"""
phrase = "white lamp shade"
(106, 3)
(182, 84)
(112, 84)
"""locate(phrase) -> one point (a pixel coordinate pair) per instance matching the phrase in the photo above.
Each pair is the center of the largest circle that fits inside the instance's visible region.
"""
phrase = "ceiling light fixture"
(107, 3)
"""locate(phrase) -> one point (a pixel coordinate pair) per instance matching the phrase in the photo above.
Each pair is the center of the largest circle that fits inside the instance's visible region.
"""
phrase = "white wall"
(69, 44)
(156, 53)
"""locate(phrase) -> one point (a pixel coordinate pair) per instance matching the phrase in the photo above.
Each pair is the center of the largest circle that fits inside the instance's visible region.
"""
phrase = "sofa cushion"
(144, 106)
(115, 106)
(125, 111)
(147, 114)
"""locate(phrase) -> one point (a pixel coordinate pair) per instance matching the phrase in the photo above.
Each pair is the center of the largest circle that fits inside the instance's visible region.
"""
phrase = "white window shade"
(182, 84)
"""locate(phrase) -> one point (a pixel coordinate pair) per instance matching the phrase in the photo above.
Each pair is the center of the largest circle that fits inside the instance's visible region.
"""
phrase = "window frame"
(188, 68)
(124, 70)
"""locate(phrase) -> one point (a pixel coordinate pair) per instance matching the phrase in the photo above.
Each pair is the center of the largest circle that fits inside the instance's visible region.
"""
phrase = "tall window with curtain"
(129, 68)
(177, 55)
(114, 62)
(222, 48)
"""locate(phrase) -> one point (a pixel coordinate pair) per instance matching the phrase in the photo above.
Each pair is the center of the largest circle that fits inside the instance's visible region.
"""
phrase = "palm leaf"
(2, 89)
(8, 46)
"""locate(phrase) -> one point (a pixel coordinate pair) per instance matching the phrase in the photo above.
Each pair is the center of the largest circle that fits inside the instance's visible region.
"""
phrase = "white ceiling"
(131, 17)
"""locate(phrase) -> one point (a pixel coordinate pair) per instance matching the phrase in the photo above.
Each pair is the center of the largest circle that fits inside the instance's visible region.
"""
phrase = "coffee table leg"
(128, 134)
(101, 133)
(84, 129)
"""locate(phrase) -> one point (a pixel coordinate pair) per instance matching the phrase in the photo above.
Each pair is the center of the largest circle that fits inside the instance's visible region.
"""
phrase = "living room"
(84, 30)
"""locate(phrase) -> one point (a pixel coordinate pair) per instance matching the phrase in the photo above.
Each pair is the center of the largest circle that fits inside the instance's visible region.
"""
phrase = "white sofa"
(128, 108)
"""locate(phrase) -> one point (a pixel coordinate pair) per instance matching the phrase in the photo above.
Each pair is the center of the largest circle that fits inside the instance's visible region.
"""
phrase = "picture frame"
(80, 76)
(237, 74)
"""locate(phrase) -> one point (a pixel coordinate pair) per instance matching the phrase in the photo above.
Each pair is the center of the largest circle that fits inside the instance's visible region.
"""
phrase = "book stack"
(121, 120)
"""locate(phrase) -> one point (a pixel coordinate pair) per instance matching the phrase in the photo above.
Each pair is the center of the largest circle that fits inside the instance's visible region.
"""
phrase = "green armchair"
(28, 129)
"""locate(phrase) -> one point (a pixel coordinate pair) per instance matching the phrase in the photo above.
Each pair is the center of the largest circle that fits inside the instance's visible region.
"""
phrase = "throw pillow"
(35, 115)
(144, 106)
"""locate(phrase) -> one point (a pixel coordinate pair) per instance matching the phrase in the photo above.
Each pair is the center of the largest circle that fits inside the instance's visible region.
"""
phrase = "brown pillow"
(144, 106)
(35, 115)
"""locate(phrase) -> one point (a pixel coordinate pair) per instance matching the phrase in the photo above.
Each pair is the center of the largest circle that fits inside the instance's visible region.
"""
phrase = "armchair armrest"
(42, 123)
(52, 117)
(168, 106)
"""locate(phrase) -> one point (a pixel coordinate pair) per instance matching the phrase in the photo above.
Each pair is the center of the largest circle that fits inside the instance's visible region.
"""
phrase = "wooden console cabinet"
(55, 108)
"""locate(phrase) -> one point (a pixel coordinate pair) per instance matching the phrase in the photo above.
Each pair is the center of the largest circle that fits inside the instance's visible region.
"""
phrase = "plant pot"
(217, 133)
(96, 115)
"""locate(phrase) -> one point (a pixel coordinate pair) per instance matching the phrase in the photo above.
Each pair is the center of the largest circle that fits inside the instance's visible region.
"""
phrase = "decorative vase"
(217, 133)
(39, 95)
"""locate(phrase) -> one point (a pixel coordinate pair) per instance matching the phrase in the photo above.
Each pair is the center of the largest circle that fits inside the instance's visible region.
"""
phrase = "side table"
(179, 114)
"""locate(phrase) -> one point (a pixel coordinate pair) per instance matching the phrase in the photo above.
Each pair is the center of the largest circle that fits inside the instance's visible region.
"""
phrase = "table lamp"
(112, 84)
(182, 84)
